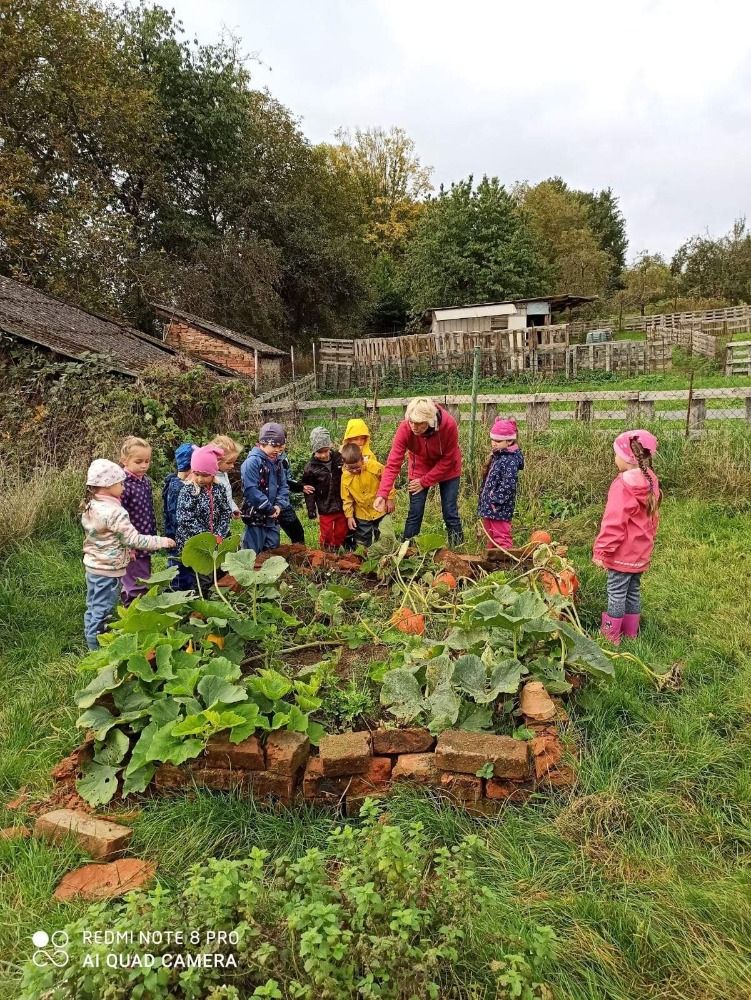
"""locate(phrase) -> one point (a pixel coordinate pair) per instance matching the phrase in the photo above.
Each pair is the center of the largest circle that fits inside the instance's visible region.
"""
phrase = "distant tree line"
(137, 164)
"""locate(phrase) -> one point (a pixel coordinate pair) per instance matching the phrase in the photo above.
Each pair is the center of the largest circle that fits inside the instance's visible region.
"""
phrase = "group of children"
(340, 489)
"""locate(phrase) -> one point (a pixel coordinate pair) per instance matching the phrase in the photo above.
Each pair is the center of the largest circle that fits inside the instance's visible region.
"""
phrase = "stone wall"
(207, 347)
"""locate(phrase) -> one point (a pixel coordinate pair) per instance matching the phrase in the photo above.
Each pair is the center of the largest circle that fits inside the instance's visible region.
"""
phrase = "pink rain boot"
(631, 626)
(611, 628)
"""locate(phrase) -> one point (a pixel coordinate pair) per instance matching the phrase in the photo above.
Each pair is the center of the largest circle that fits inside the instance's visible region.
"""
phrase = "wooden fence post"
(584, 410)
(488, 414)
(633, 414)
(697, 414)
(538, 417)
(748, 409)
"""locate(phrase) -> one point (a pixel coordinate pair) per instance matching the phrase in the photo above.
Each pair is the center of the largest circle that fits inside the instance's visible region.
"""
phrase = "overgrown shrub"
(374, 914)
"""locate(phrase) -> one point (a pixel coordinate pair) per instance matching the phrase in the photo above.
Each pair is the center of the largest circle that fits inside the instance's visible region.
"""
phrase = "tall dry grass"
(33, 502)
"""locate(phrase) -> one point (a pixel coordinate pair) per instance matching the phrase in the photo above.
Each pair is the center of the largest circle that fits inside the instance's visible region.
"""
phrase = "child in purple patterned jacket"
(138, 501)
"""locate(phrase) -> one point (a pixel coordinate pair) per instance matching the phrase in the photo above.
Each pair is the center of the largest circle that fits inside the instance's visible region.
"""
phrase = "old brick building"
(209, 342)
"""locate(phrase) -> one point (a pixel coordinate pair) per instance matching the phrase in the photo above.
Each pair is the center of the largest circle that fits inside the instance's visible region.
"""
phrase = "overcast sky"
(649, 97)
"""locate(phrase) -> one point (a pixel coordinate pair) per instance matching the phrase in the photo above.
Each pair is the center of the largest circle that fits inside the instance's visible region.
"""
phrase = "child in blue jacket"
(265, 489)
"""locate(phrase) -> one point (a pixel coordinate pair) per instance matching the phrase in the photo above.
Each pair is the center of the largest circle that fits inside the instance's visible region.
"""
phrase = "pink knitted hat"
(206, 459)
(503, 430)
(622, 444)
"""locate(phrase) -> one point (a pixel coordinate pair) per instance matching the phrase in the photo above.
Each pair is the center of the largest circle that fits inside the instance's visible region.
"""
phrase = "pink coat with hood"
(627, 533)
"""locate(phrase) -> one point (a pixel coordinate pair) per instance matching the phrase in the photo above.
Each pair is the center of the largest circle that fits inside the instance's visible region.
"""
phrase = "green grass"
(643, 871)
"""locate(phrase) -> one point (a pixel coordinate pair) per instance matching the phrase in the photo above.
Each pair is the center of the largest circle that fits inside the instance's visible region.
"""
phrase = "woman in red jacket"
(430, 435)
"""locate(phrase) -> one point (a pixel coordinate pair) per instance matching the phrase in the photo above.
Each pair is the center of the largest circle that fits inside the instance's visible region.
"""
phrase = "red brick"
(104, 881)
(270, 785)
(467, 753)
(395, 741)
(100, 838)
(547, 752)
(345, 755)
(15, 833)
(418, 768)
(286, 752)
(316, 789)
(247, 755)
(535, 703)
(496, 789)
(220, 779)
(461, 787)
(376, 778)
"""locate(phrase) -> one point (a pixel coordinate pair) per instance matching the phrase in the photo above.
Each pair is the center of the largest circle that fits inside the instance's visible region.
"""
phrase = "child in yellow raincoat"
(361, 480)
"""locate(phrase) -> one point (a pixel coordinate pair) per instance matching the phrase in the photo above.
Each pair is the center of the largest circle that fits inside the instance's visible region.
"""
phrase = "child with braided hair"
(627, 533)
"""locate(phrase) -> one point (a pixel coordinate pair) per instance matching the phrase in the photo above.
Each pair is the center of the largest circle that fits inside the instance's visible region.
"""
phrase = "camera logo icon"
(50, 949)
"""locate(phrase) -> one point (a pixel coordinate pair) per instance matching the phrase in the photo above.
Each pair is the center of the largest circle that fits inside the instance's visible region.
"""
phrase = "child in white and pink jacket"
(627, 533)
(110, 537)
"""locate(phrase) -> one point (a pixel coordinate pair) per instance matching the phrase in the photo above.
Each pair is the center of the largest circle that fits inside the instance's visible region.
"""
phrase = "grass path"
(644, 873)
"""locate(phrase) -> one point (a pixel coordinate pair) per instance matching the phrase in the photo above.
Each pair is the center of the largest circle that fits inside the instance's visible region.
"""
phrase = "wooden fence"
(693, 410)
(303, 388)
(738, 357)
(540, 350)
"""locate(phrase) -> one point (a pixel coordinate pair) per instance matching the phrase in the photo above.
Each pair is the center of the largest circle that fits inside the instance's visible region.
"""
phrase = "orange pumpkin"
(566, 583)
(408, 621)
(217, 640)
(540, 538)
(445, 580)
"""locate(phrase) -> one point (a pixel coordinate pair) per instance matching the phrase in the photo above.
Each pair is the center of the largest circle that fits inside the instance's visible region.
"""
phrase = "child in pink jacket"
(627, 533)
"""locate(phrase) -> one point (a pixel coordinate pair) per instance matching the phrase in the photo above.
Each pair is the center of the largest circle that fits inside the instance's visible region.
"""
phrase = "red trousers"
(500, 532)
(333, 530)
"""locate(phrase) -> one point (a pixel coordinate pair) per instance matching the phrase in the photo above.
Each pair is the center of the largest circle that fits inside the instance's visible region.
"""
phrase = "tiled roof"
(49, 322)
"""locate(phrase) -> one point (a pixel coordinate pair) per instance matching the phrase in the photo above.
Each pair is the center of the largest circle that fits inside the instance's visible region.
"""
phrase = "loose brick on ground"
(15, 833)
(104, 881)
(100, 838)
(535, 703)
(467, 753)
(346, 754)
(418, 768)
(286, 752)
(396, 741)
(248, 754)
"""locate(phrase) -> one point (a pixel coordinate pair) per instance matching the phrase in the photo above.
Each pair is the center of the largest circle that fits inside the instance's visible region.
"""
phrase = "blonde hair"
(422, 410)
(228, 446)
(130, 443)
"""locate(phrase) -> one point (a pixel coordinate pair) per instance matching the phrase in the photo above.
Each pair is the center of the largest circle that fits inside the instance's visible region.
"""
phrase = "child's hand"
(598, 562)
(171, 543)
(390, 506)
(379, 504)
(351, 523)
(219, 539)
(276, 512)
(236, 514)
(310, 490)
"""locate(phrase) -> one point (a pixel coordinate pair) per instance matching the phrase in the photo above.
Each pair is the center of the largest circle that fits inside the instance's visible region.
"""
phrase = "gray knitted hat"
(272, 434)
(320, 439)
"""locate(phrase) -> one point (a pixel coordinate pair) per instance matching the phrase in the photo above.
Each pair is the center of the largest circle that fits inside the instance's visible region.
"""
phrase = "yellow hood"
(358, 428)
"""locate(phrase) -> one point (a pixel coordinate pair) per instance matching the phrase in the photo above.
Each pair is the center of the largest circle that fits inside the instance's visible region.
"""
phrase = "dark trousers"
(289, 522)
(449, 508)
(367, 531)
(624, 593)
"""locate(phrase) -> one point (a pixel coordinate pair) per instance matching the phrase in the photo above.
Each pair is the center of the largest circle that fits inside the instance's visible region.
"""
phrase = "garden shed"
(207, 341)
(512, 314)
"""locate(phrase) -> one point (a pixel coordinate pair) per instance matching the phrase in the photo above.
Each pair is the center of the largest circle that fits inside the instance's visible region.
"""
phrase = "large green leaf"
(442, 708)
(297, 721)
(98, 783)
(165, 710)
(540, 626)
(250, 714)
(401, 694)
(207, 723)
(132, 696)
(504, 678)
(135, 620)
(427, 543)
(475, 718)
(220, 666)
(184, 682)
(315, 732)
(139, 780)
(98, 718)
(271, 570)
(162, 576)
(270, 683)
(470, 675)
(106, 680)
(550, 672)
(166, 601)
(438, 673)
(113, 749)
(214, 690)
(213, 609)
(157, 743)
(199, 553)
(465, 638)
(585, 655)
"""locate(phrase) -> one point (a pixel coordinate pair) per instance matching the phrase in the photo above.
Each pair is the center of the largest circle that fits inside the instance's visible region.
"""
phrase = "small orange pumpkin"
(408, 621)
(217, 640)
(540, 538)
(445, 580)
(565, 584)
